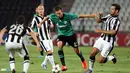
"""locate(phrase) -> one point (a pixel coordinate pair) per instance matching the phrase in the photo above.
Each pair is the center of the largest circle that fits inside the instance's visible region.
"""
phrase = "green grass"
(72, 61)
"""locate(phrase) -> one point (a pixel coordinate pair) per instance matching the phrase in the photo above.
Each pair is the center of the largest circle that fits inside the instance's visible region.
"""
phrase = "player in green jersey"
(66, 33)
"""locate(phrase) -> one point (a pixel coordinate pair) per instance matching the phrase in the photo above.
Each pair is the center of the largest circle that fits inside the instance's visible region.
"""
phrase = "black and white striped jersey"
(44, 31)
(111, 23)
(16, 32)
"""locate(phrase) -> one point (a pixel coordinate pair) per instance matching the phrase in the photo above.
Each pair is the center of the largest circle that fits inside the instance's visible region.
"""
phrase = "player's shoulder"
(65, 13)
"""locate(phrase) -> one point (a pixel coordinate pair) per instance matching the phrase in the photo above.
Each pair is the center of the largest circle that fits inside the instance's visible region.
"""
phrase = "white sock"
(26, 66)
(45, 60)
(51, 59)
(12, 65)
(91, 64)
(109, 58)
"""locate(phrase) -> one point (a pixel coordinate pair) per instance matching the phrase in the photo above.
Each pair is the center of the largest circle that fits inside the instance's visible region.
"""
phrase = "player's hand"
(98, 30)
(99, 15)
(39, 25)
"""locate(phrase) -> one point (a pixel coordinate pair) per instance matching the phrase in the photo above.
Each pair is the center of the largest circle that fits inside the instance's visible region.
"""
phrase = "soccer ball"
(56, 69)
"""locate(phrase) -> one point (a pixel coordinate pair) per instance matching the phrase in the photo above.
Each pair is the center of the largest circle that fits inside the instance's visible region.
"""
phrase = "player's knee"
(102, 60)
(60, 44)
(49, 52)
(26, 57)
(11, 59)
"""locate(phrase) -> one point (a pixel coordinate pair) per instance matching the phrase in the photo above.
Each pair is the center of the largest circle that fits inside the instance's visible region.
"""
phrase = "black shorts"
(71, 40)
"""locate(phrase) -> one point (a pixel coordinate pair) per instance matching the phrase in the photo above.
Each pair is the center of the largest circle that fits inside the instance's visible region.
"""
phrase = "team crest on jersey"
(65, 22)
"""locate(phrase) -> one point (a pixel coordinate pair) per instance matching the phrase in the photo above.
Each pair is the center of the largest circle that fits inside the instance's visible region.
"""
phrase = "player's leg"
(12, 60)
(93, 53)
(24, 53)
(96, 49)
(60, 44)
(107, 48)
(73, 42)
(44, 63)
(47, 44)
(11, 53)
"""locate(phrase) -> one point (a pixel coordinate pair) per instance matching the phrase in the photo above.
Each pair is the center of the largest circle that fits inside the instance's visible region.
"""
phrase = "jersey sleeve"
(33, 23)
(72, 16)
(49, 22)
(52, 17)
(28, 30)
(105, 17)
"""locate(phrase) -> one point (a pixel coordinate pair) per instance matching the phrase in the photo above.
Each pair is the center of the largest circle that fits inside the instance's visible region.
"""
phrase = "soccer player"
(35, 31)
(105, 43)
(44, 35)
(66, 33)
(14, 42)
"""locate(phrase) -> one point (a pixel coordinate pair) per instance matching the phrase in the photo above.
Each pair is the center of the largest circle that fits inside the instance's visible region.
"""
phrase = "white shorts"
(103, 46)
(46, 45)
(12, 47)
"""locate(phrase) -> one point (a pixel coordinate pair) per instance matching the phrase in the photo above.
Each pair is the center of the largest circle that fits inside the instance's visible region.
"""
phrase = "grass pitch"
(72, 61)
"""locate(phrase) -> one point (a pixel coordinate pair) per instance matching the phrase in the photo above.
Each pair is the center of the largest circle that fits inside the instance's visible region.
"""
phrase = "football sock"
(109, 58)
(91, 62)
(51, 59)
(41, 52)
(45, 60)
(81, 56)
(26, 64)
(61, 56)
(12, 63)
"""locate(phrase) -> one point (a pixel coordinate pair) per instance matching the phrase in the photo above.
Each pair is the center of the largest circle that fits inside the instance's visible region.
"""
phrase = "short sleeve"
(28, 29)
(33, 23)
(51, 16)
(105, 17)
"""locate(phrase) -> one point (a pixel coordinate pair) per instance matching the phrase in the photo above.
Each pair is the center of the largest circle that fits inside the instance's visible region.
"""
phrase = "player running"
(14, 42)
(105, 42)
(66, 33)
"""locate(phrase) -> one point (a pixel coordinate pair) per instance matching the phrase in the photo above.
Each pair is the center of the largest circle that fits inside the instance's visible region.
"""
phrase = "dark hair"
(117, 7)
(58, 7)
(20, 19)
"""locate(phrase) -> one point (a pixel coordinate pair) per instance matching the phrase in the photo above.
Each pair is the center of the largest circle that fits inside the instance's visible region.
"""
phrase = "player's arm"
(86, 15)
(45, 18)
(36, 40)
(1, 34)
(111, 32)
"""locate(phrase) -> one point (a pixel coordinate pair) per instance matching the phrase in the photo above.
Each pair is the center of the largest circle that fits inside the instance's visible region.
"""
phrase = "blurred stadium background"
(9, 9)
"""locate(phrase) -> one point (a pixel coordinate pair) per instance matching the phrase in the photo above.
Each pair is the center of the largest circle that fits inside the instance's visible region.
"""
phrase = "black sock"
(81, 56)
(61, 56)
(41, 52)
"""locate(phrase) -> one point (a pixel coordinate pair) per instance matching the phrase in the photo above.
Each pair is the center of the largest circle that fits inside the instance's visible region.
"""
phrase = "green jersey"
(64, 25)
